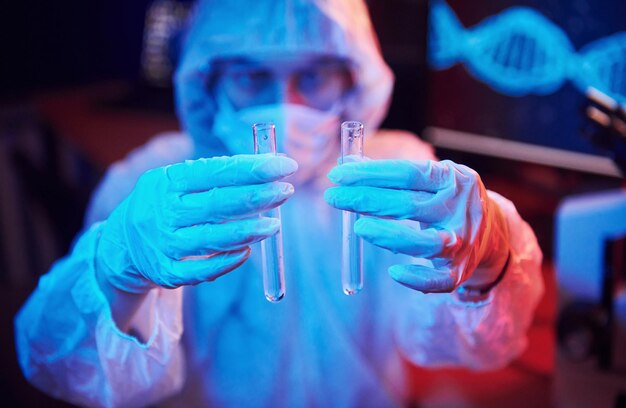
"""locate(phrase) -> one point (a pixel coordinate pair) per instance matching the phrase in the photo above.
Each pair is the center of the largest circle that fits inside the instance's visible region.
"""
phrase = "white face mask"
(307, 135)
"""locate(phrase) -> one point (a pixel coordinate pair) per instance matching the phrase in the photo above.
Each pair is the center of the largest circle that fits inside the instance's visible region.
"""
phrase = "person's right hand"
(191, 222)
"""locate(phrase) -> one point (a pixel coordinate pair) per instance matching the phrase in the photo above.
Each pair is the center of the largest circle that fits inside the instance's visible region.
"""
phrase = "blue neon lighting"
(520, 52)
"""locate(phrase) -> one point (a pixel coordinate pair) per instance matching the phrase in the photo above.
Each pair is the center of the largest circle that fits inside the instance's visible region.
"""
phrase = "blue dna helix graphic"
(520, 52)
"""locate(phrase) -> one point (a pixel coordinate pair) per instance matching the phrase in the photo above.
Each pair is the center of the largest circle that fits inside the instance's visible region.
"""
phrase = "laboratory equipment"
(271, 248)
(590, 257)
(352, 245)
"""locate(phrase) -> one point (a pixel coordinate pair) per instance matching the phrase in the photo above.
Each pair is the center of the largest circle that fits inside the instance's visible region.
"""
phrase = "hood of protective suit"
(256, 29)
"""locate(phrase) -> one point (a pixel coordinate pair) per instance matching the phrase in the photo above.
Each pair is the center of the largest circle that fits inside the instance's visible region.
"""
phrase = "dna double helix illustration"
(520, 52)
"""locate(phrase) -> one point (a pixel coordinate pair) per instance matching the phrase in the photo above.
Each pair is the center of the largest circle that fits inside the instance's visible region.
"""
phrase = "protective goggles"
(316, 82)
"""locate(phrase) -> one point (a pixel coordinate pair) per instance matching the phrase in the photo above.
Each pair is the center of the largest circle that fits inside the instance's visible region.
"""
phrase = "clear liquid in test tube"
(272, 247)
(352, 245)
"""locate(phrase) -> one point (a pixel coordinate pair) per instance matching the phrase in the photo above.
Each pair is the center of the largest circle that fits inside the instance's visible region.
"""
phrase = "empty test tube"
(352, 245)
(272, 247)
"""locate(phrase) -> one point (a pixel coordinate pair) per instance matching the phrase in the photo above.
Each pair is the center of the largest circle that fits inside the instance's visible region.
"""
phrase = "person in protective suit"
(105, 324)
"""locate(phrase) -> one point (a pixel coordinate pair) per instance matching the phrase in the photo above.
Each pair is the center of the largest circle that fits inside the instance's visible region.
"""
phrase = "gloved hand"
(191, 222)
(462, 232)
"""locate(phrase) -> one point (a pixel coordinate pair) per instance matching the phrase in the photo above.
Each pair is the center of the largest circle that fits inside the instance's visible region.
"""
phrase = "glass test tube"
(272, 247)
(352, 245)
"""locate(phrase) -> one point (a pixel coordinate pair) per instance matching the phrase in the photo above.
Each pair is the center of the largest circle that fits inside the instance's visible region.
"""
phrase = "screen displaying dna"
(521, 52)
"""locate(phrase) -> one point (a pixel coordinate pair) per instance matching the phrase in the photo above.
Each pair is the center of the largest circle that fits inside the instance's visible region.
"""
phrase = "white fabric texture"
(317, 347)
(69, 346)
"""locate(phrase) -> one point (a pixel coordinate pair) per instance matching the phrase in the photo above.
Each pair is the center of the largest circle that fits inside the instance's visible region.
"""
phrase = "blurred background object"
(591, 325)
(83, 83)
(164, 24)
(591, 270)
(607, 127)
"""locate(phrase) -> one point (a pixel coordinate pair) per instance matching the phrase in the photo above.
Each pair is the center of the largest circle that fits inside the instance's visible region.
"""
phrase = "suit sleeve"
(66, 340)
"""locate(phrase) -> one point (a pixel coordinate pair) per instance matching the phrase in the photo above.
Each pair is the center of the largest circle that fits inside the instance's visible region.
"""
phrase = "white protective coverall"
(317, 347)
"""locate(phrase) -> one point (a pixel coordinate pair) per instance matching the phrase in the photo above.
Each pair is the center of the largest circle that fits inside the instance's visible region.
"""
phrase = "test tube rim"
(268, 129)
(263, 126)
(352, 125)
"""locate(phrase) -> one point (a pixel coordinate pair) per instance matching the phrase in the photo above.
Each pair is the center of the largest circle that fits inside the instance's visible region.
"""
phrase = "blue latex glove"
(192, 222)
(462, 231)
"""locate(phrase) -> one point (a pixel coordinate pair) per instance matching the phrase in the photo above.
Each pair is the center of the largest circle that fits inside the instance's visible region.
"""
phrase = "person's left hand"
(462, 232)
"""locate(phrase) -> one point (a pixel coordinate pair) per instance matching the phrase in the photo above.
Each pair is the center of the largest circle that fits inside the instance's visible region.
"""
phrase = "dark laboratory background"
(83, 83)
